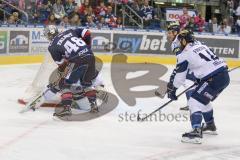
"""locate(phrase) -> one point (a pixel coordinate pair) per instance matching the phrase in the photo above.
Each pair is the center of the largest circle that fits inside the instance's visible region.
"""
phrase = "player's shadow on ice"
(104, 108)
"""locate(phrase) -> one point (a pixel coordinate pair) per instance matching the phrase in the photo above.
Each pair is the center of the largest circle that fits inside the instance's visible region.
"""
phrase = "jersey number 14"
(208, 56)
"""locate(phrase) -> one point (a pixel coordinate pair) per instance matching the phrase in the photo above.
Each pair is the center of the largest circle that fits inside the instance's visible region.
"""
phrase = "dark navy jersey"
(69, 45)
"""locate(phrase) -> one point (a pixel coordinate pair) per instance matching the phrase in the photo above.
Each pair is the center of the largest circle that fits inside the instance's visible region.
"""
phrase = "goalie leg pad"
(66, 98)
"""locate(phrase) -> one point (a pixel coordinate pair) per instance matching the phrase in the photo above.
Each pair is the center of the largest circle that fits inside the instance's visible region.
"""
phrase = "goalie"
(71, 51)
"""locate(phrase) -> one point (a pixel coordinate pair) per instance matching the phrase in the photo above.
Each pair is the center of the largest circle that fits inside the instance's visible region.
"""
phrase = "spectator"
(44, 12)
(87, 12)
(31, 10)
(36, 18)
(230, 4)
(102, 23)
(51, 20)
(147, 11)
(119, 22)
(58, 10)
(21, 4)
(135, 6)
(184, 18)
(65, 21)
(90, 11)
(224, 29)
(84, 6)
(90, 22)
(213, 25)
(16, 17)
(109, 17)
(69, 7)
(237, 12)
(101, 10)
(75, 20)
(199, 23)
(75, 11)
(238, 25)
(191, 25)
(11, 20)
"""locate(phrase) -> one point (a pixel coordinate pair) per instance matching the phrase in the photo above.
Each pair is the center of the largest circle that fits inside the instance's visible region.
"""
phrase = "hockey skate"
(184, 108)
(65, 112)
(94, 107)
(210, 129)
(194, 136)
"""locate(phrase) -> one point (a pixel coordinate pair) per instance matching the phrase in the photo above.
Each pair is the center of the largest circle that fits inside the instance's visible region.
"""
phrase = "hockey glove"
(172, 76)
(171, 91)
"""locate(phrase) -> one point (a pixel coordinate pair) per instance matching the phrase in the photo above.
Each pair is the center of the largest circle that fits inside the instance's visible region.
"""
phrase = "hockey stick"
(230, 70)
(164, 105)
(30, 105)
(162, 95)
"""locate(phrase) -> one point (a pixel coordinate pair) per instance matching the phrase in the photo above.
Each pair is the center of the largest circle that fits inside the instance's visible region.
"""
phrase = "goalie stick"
(30, 105)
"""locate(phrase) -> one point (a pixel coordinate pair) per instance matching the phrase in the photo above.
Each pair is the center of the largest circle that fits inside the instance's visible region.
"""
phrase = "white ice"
(36, 136)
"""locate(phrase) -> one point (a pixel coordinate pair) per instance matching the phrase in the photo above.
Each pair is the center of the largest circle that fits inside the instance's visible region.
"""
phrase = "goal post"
(40, 81)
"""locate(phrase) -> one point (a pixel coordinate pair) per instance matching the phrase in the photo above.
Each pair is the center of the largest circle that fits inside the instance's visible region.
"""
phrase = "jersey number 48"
(73, 45)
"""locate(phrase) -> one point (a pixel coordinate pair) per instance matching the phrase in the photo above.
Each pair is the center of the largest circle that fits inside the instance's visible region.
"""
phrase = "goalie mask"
(50, 32)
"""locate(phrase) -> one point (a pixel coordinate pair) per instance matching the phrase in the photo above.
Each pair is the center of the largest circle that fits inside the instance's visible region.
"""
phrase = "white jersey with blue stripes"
(200, 60)
(175, 44)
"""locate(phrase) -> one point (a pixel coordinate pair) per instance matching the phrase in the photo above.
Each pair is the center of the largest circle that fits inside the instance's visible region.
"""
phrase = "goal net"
(40, 81)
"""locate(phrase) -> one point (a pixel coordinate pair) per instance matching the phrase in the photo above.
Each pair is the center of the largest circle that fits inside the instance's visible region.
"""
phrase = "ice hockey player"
(71, 52)
(173, 31)
(212, 78)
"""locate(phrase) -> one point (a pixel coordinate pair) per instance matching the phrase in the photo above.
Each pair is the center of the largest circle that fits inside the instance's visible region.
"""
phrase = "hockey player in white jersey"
(212, 78)
(173, 31)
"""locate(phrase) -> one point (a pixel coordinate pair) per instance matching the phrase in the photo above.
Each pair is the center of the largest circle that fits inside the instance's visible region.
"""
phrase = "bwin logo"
(133, 45)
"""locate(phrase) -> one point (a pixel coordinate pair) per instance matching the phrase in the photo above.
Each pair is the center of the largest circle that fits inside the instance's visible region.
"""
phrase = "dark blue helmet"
(187, 35)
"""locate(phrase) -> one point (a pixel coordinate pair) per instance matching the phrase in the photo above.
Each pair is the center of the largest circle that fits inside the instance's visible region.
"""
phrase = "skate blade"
(184, 109)
(210, 132)
(191, 140)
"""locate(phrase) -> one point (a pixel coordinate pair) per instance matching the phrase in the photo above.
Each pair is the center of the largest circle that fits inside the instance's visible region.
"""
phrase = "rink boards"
(24, 45)
(28, 59)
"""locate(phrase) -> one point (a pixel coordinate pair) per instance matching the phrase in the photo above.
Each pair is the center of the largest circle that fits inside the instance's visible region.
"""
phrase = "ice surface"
(36, 136)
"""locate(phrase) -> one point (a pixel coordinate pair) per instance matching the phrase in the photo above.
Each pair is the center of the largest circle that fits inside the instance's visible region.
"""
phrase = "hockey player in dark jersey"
(71, 51)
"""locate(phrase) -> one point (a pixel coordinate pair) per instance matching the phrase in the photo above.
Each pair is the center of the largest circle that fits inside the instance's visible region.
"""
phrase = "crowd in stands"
(66, 13)
(101, 13)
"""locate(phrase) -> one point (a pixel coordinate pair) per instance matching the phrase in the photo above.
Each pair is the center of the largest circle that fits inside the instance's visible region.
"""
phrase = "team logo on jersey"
(19, 41)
